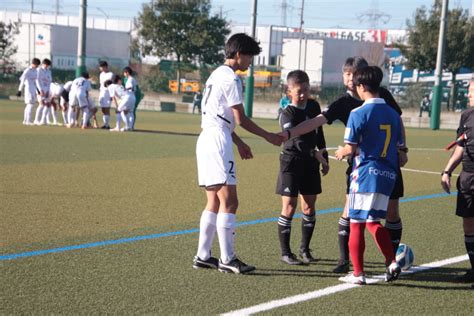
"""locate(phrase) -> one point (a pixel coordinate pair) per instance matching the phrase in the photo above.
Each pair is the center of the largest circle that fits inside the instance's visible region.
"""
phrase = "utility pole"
(438, 86)
(283, 8)
(301, 34)
(81, 39)
(250, 80)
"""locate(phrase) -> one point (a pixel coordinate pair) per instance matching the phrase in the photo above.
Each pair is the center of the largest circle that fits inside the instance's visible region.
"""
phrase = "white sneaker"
(352, 279)
(116, 129)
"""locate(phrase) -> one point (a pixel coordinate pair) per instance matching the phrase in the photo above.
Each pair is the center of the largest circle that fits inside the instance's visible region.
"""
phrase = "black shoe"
(342, 267)
(393, 272)
(468, 277)
(291, 259)
(211, 263)
(105, 127)
(235, 266)
(306, 256)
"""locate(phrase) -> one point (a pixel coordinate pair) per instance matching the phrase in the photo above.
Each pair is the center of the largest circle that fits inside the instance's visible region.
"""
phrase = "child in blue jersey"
(373, 135)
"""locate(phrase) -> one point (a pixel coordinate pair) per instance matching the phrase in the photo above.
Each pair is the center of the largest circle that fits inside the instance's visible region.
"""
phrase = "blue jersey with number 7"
(376, 129)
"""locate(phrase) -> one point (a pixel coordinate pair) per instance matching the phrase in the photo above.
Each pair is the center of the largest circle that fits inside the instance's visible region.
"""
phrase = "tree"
(183, 29)
(7, 49)
(422, 48)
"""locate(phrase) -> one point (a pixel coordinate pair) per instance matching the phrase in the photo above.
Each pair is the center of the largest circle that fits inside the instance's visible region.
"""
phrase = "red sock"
(382, 239)
(357, 247)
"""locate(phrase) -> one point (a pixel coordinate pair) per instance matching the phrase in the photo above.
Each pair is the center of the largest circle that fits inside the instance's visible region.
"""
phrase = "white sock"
(207, 231)
(106, 119)
(225, 231)
(125, 120)
(71, 115)
(27, 114)
(53, 114)
(39, 113)
(65, 120)
(119, 120)
(85, 116)
(45, 116)
(131, 119)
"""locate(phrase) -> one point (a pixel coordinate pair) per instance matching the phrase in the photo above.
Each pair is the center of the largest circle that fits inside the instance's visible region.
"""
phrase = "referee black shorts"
(398, 189)
(298, 175)
(465, 199)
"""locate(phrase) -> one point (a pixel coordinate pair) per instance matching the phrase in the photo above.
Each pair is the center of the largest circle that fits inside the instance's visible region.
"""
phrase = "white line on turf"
(337, 288)
(415, 170)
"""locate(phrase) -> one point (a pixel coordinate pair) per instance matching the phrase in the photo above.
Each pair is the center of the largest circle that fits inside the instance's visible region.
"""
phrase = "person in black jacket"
(299, 174)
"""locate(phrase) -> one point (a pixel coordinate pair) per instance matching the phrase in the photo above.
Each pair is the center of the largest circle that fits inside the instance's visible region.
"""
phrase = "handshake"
(277, 138)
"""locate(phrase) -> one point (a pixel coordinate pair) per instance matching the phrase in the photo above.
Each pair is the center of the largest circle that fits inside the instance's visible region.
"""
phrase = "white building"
(55, 37)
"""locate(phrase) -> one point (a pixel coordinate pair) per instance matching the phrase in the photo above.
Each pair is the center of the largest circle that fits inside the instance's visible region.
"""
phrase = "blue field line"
(178, 233)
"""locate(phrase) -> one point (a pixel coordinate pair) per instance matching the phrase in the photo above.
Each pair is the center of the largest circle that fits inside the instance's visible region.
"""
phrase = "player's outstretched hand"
(402, 158)
(446, 183)
(18, 94)
(283, 135)
(244, 151)
(274, 139)
(339, 153)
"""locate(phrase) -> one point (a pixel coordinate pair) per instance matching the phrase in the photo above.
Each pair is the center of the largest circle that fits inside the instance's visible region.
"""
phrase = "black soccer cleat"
(211, 263)
(291, 260)
(306, 256)
(235, 266)
(342, 267)
(467, 277)
(105, 127)
(393, 272)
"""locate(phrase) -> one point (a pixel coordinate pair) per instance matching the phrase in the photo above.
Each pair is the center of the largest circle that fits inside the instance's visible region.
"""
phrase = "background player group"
(74, 97)
(374, 144)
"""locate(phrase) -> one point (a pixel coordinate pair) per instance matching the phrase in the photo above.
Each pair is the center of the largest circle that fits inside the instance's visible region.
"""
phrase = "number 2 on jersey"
(388, 135)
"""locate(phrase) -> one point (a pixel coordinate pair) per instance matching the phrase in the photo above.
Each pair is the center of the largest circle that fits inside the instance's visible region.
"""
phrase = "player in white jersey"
(79, 97)
(127, 102)
(43, 81)
(104, 96)
(221, 109)
(116, 92)
(28, 80)
(64, 101)
(55, 91)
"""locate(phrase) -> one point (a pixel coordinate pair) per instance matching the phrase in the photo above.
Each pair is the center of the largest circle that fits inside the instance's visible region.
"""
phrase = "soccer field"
(101, 222)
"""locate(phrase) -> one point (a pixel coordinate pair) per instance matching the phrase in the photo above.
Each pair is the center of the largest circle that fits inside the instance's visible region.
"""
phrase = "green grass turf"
(63, 187)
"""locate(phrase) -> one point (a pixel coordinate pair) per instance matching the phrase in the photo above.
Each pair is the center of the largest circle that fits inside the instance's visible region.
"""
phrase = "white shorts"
(104, 99)
(215, 158)
(126, 104)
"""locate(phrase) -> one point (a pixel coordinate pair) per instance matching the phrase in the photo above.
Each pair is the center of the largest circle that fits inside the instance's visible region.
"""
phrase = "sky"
(317, 13)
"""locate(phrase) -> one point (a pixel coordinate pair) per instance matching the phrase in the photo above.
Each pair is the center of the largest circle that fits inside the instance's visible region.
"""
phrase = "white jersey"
(81, 86)
(28, 80)
(103, 77)
(223, 91)
(116, 91)
(44, 79)
(55, 89)
(67, 86)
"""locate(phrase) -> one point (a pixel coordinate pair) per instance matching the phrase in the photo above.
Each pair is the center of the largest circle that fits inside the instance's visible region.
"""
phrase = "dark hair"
(35, 61)
(370, 77)
(128, 69)
(107, 83)
(85, 74)
(297, 77)
(353, 64)
(117, 78)
(46, 61)
(243, 44)
(103, 63)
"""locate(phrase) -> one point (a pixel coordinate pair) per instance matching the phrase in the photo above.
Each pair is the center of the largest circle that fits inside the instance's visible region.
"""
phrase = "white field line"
(337, 288)
(414, 170)
(411, 148)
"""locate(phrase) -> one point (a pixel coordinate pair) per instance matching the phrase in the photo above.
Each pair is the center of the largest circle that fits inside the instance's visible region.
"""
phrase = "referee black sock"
(308, 222)
(469, 241)
(343, 238)
(395, 231)
(284, 232)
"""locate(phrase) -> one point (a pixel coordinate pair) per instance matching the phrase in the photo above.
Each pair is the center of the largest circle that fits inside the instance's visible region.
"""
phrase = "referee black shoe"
(306, 256)
(342, 267)
(291, 260)
(211, 263)
(235, 266)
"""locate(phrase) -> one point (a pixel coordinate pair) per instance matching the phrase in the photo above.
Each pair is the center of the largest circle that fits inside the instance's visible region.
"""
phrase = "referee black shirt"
(466, 126)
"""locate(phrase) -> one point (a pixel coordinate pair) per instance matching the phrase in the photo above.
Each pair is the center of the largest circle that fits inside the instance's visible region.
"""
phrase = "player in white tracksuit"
(116, 92)
(104, 96)
(127, 103)
(43, 81)
(28, 81)
(79, 97)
